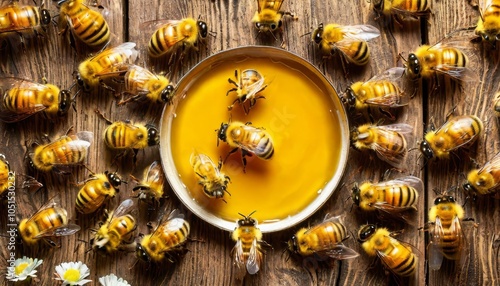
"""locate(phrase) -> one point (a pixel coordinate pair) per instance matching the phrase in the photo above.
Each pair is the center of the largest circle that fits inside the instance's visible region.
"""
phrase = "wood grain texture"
(208, 261)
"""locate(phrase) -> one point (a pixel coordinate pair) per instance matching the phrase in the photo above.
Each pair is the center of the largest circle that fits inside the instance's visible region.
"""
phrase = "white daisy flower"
(112, 280)
(72, 273)
(23, 267)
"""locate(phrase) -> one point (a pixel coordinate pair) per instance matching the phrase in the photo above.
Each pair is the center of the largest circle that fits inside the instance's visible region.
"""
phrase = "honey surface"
(297, 115)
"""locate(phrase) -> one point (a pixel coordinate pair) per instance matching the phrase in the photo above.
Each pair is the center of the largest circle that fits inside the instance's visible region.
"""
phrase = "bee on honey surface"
(116, 233)
(446, 234)
(83, 23)
(151, 187)
(388, 141)
(96, 190)
(251, 140)
(22, 98)
(401, 9)
(19, 19)
(248, 84)
(484, 180)
(49, 221)
(210, 177)
(380, 91)
(170, 36)
(350, 41)
(396, 256)
(7, 176)
(166, 240)
(393, 196)
(268, 16)
(496, 103)
(88, 75)
(488, 25)
(458, 131)
(67, 150)
(322, 241)
(248, 251)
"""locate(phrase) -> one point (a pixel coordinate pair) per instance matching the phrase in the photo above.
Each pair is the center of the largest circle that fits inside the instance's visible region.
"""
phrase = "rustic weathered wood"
(208, 261)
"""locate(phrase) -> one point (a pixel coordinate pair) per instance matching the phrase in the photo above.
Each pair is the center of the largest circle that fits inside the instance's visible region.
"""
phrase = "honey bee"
(7, 177)
(399, 9)
(67, 150)
(446, 231)
(322, 241)
(49, 221)
(488, 25)
(152, 184)
(393, 197)
(485, 180)
(116, 233)
(268, 16)
(248, 84)
(396, 255)
(96, 190)
(496, 103)
(22, 98)
(388, 141)
(168, 238)
(379, 91)
(84, 24)
(171, 35)
(214, 182)
(350, 41)
(248, 251)
(440, 59)
(251, 140)
(17, 18)
(458, 131)
(89, 71)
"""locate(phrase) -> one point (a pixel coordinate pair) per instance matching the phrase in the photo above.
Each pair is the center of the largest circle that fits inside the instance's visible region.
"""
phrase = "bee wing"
(459, 73)
(398, 127)
(49, 204)
(86, 136)
(7, 84)
(340, 252)
(123, 208)
(266, 4)
(118, 70)
(389, 100)
(155, 173)
(254, 258)
(63, 230)
(23, 113)
(492, 166)
(238, 255)
(360, 32)
(387, 260)
(438, 233)
(435, 256)
(392, 74)
(126, 50)
(412, 181)
(254, 88)
(484, 5)
(150, 27)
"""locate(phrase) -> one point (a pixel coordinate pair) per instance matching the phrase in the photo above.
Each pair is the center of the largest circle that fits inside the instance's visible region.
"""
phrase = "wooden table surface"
(208, 261)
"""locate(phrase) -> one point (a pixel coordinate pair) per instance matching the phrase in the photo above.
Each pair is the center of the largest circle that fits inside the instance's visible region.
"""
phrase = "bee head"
(166, 94)
(355, 194)
(64, 102)
(153, 135)
(114, 179)
(247, 220)
(349, 97)
(317, 35)
(203, 29)
(221, 134)
(83, 85)
(468, 187)
(45, 17)
(378, 5)
(217, 192)
(292, 244)
(366, 231)
(414, 65)
(141, 253)
(426, 149)
(444, 200)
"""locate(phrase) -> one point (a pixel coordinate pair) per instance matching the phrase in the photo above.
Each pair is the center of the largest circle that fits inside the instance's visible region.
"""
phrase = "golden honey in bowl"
(297, 113)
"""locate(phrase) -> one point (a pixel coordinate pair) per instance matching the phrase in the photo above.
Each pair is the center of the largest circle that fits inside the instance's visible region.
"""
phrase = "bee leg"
(230, 152)
(102, 116)
(232, 89)
(387, 113)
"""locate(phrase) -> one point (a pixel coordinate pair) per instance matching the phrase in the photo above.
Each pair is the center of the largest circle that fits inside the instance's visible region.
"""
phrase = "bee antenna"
(400, 55)
(308, 33)
(133, 265)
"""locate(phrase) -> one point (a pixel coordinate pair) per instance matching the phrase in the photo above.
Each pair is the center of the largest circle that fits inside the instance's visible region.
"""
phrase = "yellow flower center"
(20, 268)
(72, 275)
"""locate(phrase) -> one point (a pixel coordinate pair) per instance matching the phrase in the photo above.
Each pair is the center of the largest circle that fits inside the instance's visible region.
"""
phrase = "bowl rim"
(168, 113)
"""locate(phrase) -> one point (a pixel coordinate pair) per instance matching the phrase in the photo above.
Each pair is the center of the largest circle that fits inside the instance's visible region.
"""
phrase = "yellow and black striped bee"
(268, 16)
(458, 131)
(167, 239)
(96, 190)
(488, 25)
(67, 150)
(7, 176)
(447, 238)
(380, 91)
(83, 23)
(116, 233)
(170, 36)
(397, 256)
(251, 140)
(49, 221)
(248, 251)
(248, 84)
(92, 69)
(19, 19)
(485, 180)
(151, 188)
(210, 177)
(401, 9)
(22, 98)
(393, 196)
(350, 41)
(322, 241)
(388, 141)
